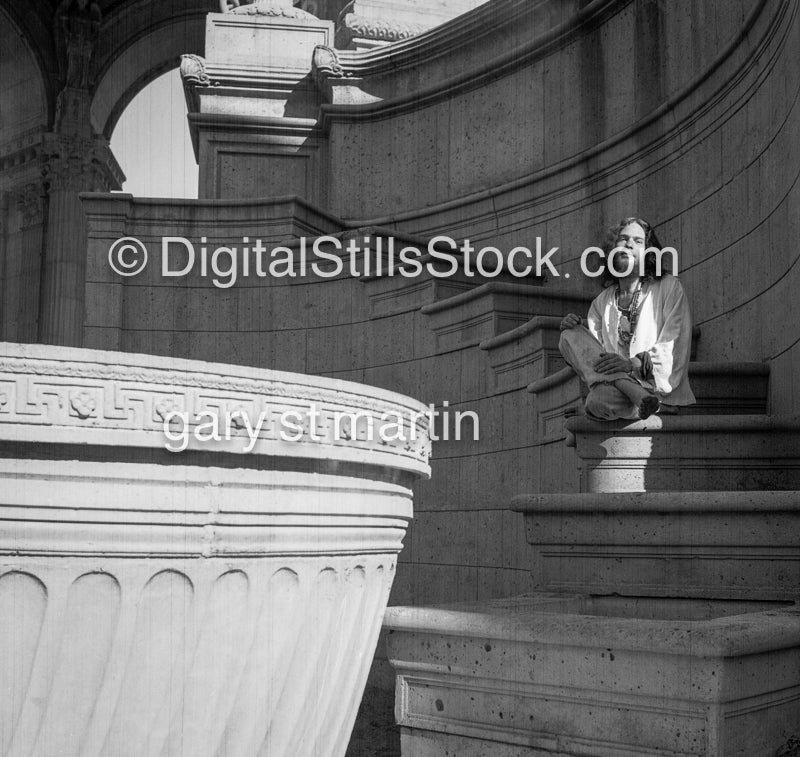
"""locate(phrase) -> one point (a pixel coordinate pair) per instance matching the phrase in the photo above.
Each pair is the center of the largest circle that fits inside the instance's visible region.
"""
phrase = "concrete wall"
(685, 113)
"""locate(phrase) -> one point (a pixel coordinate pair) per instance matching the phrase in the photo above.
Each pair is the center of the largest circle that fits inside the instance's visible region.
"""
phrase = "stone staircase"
(664, 619)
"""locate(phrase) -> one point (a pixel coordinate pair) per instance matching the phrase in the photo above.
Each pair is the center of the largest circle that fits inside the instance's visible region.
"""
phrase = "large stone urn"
(220, 601)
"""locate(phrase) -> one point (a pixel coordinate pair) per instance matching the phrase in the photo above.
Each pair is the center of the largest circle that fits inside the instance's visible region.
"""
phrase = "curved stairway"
(665, 617)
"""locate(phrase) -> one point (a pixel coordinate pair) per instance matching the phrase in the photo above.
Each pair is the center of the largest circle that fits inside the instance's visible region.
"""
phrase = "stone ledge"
(531, 350)
(490, 309)
(692, 452)
(541, 675)
(736, 544)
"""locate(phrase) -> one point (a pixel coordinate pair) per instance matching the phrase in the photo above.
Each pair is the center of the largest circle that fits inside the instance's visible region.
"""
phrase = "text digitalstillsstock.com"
(328, 257)
(310, 424)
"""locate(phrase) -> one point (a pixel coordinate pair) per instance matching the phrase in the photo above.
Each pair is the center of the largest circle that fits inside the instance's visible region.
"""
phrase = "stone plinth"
(688, 453)
(217, 600)
(607, 677)
(734, 544)
(253, 106)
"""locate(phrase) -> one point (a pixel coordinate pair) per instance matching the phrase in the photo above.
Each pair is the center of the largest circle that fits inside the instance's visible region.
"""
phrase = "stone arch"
(25, 102)
(142, 61)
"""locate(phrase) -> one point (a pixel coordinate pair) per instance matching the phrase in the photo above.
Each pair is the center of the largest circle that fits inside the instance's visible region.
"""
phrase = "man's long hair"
(651, 271)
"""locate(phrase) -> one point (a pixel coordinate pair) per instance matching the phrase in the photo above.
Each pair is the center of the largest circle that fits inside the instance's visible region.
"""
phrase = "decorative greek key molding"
(82, 395)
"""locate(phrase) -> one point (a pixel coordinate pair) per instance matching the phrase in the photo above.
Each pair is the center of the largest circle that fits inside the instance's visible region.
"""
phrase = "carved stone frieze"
(67, 394)
(379, 29)
(274, 8)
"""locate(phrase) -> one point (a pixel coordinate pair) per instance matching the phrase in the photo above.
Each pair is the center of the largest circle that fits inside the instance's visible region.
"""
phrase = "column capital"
(29, 201)
(79, 163)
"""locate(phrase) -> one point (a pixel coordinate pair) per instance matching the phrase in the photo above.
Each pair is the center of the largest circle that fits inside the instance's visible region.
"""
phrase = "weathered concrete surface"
(565, 675)
(723, 544)
(688, 453)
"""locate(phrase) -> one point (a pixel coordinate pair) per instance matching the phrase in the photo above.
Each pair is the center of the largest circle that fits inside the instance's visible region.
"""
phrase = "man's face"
(630, 244)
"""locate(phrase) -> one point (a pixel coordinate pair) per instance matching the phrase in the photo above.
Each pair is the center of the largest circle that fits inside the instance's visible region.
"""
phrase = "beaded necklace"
(628, 316)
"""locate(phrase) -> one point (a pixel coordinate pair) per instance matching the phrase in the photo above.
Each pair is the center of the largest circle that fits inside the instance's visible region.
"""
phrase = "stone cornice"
(495, 18)
(658, 502)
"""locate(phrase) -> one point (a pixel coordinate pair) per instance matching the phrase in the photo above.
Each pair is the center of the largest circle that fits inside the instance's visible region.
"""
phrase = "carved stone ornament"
(83, 403)
(193, 71)
(29, 202)
(276, 8)
(78, 163)
(136, 400)
(79, 22)
(325, 64)
(380, 29)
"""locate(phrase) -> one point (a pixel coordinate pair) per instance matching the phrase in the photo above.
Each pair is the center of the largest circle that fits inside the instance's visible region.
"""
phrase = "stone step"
(722, 545)
(605, 676)
(688, 453)
(484, 312)
(732, 388)
(391, 293)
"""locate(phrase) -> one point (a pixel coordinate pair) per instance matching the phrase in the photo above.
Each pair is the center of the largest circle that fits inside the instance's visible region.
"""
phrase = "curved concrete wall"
(684, 112)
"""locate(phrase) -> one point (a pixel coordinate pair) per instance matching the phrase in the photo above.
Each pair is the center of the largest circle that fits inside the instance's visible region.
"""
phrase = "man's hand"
(570, 321)
(610, 362)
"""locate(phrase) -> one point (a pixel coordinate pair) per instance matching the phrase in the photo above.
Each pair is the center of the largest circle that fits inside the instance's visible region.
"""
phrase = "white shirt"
(664, 330)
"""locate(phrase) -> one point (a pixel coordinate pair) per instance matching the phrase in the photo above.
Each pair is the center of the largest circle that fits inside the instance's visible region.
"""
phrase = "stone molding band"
(63, 396)
(129, 510)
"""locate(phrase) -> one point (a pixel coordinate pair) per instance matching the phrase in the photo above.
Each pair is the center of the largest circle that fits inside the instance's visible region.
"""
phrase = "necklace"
(628, 316)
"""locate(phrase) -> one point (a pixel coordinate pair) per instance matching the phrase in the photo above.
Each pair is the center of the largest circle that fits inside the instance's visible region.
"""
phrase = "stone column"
(72, 163)
(22, 275)
(252, 105)
(74, 159)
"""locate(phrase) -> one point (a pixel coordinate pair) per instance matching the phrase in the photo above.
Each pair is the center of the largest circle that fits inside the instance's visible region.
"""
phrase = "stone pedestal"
(688, 453)
(253, 106)
(607, 677)
(217, 600)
